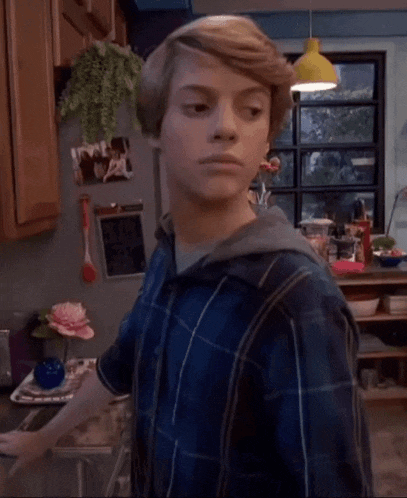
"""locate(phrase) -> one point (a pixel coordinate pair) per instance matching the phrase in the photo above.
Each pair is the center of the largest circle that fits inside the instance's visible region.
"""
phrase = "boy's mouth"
(221, 159)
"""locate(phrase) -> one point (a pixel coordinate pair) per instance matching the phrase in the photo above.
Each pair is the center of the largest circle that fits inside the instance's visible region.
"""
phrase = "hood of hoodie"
(269, 232)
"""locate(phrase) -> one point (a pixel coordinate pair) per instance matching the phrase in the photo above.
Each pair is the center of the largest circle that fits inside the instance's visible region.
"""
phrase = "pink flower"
(272, 166)
(69, 319)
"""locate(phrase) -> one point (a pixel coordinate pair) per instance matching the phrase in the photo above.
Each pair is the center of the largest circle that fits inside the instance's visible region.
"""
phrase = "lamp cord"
(310, 23)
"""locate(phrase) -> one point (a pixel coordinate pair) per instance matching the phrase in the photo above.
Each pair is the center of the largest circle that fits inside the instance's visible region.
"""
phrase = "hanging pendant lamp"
(314, 71)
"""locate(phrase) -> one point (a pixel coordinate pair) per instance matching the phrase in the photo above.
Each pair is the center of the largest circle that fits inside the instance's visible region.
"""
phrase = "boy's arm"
(115, 366)
(93, 396)
(317, 424)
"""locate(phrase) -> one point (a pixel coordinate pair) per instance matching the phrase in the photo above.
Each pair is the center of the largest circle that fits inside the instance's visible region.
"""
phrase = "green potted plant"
(103, 77)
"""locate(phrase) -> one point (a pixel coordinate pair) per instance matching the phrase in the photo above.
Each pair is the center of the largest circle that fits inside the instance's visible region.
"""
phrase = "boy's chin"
(217, 197)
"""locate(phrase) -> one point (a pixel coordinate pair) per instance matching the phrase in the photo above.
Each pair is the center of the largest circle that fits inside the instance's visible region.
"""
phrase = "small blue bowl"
(390, 261)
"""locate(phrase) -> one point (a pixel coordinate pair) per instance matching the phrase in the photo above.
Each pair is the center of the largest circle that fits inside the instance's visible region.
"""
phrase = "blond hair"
(239, 43)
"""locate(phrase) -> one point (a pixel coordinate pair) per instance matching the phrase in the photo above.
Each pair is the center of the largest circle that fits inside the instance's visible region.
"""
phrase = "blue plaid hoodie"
(242, 370)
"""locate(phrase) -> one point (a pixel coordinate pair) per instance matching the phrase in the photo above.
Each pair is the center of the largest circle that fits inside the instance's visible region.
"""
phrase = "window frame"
(378, 145)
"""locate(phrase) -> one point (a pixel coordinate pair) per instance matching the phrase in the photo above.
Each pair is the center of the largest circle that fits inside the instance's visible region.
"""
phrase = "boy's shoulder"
(270, 269)
(305, 288)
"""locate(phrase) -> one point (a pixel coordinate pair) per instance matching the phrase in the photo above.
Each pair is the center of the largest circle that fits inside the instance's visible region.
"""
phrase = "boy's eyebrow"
(207, 89)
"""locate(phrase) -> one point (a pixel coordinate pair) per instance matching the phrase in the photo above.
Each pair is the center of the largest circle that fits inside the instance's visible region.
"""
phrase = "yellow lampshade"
(314, 71)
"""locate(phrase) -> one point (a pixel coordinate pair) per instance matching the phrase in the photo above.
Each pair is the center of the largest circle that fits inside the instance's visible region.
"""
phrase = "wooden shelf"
(381, 317)
(391, 353)
(374, 275)
(376, 281)
(388, 394)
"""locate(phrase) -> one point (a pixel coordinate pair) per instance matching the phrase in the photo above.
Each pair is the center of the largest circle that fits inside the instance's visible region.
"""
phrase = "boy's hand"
(25, 446)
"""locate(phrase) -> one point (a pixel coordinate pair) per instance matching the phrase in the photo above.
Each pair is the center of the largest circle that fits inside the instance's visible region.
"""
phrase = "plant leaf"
(102, 77)
(42, 314)
(43, 331)
(60, 341)
(383, 242)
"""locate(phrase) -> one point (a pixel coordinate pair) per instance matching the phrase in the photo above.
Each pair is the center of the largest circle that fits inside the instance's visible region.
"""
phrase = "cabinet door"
(7, 219)
(120, 33)
(70, 30)
(101, 13)
(76, 24)
(32, 106)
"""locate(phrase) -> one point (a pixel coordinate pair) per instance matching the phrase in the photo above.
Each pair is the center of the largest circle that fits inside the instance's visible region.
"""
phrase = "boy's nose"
(225, 135)
(224, 124)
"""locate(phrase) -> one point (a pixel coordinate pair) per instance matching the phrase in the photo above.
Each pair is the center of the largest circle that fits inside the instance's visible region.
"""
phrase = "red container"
(365, 224)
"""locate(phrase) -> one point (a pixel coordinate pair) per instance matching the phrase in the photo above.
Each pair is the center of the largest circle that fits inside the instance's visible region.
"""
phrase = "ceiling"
(226, 6)
(229, 6)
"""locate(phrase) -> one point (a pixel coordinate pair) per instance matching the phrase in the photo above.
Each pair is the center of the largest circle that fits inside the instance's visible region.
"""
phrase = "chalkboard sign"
(122, 241)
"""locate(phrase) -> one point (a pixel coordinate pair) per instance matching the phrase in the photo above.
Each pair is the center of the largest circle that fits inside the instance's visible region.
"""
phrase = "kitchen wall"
(40, 271)
(399, 142)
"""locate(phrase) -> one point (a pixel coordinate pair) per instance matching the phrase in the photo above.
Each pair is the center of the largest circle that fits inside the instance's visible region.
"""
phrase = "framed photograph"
(102, 163)
(122, 240)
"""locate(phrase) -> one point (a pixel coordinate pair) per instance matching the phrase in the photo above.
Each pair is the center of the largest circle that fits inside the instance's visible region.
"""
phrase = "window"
(332, 150)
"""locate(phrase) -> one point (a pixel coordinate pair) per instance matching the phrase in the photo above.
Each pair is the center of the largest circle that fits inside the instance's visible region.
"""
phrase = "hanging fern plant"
(102, 78)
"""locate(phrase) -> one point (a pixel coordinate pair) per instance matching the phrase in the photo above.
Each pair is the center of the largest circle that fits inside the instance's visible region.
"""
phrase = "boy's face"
(214, 133)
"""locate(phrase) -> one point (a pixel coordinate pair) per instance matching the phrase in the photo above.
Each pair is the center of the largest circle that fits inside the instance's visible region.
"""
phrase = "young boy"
(240, 351)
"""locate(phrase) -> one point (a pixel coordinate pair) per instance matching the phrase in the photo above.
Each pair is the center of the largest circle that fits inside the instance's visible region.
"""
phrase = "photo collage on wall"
(101, 163)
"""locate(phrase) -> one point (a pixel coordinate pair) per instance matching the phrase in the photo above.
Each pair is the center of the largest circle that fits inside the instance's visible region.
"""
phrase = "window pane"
(356, 82)
(344, 124)
(283, 201)
(286, 136)
(286, 203)
(286, 176)
(341, 167)
(333, 145)
(338, 206)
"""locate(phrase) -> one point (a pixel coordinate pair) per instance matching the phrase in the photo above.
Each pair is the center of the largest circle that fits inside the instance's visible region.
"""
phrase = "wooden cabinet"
(36, 37)
(77, 24)
(102, 14)
(381, 281)
(29, 185)
(70, 31)
(120, 26)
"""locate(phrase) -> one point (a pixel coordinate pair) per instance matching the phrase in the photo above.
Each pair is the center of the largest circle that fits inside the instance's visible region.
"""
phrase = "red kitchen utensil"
(89, 272)
(341, 267)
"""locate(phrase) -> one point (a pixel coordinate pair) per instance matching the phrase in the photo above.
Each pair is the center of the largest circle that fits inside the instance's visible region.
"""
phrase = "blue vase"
(49, 373)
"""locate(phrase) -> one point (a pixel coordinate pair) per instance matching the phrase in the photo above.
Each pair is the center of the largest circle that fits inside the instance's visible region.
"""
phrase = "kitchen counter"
(85, 462)
(11, 414)
(375, 275)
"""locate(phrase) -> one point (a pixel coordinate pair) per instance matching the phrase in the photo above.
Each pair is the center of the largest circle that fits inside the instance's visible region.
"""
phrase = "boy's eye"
(193, 109)
(252, 112)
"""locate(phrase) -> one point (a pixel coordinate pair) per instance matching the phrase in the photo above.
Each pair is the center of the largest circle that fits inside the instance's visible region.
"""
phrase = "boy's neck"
(195, 225)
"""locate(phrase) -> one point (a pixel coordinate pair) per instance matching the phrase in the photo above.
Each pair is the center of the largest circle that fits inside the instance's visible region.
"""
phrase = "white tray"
(30, 393)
